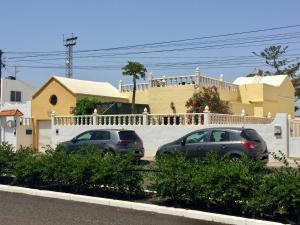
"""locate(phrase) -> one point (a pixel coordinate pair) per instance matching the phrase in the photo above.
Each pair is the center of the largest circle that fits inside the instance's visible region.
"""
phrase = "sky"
(36, 28)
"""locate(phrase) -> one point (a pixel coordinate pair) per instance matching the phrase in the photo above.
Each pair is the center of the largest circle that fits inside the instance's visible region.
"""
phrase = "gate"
(294, 145)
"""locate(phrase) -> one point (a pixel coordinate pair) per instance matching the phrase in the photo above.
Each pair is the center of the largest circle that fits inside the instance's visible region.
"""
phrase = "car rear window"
(251, 135)
(128, 136)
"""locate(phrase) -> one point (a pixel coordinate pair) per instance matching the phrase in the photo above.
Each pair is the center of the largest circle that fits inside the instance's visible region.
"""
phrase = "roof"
(86, 87)
(275, 80)
(11, 112)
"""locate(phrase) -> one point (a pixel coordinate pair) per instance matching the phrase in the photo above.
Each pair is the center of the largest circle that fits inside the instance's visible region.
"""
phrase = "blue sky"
(38, 26)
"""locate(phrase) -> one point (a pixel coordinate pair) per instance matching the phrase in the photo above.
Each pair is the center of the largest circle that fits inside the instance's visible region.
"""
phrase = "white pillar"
(120, 86)
(197, 74)
(206, 115)
(145, 116)
(95, 113)
(150, 77)
(269, 115)
(52, 119)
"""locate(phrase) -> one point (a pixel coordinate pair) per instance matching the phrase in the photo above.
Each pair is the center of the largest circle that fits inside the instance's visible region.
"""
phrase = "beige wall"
(160, 98)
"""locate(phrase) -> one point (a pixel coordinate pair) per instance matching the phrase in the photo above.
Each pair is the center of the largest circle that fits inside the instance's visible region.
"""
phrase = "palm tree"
(137, 71)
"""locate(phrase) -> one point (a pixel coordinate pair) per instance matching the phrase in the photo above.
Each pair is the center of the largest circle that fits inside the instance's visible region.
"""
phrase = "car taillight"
(247, 144)
(123, 143)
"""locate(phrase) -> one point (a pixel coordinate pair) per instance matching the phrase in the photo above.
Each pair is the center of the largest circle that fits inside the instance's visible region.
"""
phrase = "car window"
(219, 136)
(100, 135)
(197, 137)
(128, 136)
(251, 135)
(234, 136)
(85, 136)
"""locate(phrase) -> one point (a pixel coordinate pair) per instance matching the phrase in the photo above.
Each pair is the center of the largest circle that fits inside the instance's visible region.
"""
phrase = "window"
(85, 136)
(101, 135)
(235, 136)
(197, 137)
(219, 136)
(15, 96)
(53, 100)
(128, 136)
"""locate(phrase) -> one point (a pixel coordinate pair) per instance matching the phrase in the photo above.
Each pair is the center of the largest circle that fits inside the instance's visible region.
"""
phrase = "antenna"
(69, 43)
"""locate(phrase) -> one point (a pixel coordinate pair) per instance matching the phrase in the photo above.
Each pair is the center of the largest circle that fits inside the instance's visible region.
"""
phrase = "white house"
(15, 111)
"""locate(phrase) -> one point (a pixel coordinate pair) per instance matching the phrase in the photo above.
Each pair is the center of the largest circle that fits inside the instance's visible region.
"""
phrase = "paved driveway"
(19, 209)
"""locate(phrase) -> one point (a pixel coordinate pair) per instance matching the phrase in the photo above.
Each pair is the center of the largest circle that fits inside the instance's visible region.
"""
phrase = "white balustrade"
(182, 80)
(237, 119)
(24, 121)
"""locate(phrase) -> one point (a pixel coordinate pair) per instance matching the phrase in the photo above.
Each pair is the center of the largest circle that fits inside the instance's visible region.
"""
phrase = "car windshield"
(128, 136)
(251, 135)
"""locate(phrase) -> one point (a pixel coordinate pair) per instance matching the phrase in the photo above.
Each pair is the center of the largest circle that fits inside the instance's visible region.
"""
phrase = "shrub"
(118, 172)
(278, 192)
(28, 167)
(209, 181)
(6, 159)
(171, 176)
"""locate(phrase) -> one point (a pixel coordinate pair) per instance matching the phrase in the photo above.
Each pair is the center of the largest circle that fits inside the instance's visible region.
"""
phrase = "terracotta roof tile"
(11, 112)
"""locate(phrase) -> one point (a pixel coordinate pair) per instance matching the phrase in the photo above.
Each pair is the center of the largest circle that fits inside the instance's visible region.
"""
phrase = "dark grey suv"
(113, 141)
(233, 142)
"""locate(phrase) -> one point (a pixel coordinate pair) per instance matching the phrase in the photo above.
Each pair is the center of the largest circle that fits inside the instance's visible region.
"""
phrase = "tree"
(274, 56)
(207, 97)
(85, 106)
(137, 71)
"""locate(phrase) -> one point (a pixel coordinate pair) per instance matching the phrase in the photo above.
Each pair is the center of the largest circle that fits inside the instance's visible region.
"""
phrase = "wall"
(25, 107)
(7, 133)
(23, 139)
(159, 98)
(155, 136)
(8, 85)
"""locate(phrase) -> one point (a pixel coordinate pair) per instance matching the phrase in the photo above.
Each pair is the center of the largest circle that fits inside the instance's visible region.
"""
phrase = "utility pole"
(1, 64)
(69, 43)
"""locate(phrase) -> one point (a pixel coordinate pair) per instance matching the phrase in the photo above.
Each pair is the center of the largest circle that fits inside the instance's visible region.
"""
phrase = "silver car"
(112, 141)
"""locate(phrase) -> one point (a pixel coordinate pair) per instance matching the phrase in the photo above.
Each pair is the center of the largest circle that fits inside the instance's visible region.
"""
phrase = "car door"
(100, 139)
(81, 140)
(195, 144)
(219, 141)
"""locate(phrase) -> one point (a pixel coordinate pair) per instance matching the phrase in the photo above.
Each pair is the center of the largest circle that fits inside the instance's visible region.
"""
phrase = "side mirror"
(182, 142)
(74, 140)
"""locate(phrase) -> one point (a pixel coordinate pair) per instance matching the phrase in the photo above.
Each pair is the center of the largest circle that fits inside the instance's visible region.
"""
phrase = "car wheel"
(108, 153)
(235, 158)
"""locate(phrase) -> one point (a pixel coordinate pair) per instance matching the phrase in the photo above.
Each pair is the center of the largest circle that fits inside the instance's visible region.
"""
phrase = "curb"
(187, 213)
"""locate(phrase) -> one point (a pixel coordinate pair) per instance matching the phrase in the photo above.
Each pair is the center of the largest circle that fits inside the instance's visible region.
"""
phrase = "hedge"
(244, 186)
(78, 170)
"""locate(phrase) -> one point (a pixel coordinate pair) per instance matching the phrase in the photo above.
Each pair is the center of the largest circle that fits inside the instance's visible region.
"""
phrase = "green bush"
(6, 159)
(28, 167)
(171, 176)
(278, 192)
(209, 181)
(118, 172)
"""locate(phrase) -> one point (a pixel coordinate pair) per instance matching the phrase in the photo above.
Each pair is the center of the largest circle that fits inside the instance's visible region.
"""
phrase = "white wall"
(24, 107)
(15, 136)
(8, 85)
(154, 136)
(23, 139)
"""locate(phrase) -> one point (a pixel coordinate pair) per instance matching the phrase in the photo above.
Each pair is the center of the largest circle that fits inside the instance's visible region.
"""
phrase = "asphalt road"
(19, 209)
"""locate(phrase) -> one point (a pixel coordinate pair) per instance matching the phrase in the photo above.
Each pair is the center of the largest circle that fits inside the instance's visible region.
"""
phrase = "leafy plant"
(85, 106)
(207, 97)
(6, 158)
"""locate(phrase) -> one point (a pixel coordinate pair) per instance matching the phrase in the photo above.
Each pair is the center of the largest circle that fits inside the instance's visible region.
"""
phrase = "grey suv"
(233, 142)
(112, 141)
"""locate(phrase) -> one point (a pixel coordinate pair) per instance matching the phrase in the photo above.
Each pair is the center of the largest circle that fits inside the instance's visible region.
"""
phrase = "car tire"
(108, 153)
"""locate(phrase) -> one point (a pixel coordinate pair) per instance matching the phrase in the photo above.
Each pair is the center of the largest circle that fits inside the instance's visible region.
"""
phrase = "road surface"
(19, 209)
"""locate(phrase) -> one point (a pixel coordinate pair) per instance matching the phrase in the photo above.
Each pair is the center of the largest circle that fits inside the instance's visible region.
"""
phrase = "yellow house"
(60, 94)
(257, 96)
